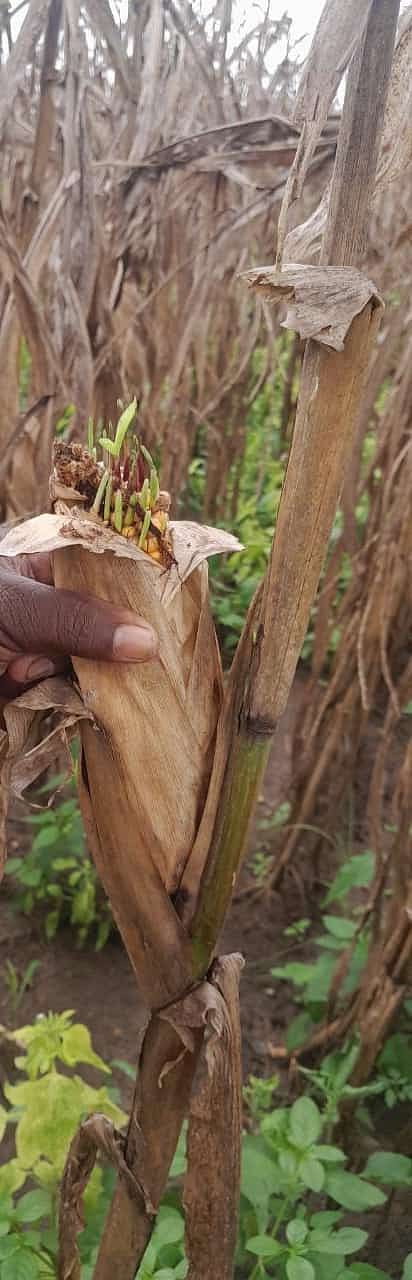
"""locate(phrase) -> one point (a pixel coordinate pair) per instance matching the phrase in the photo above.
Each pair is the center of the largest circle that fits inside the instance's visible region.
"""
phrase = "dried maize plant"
(369, 685)
(171, 763)
(369, 681)
(140, 163)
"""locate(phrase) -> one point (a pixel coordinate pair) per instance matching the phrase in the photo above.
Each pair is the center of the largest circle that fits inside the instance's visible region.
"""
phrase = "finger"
(9, 689)
(41, 620)
(31, 667)
(38, 566)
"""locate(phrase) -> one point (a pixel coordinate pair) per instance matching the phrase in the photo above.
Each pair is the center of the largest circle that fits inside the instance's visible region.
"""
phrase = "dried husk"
(149, 733)
(322, 301)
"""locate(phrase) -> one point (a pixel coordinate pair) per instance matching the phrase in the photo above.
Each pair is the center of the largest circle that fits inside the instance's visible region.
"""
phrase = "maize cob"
(122, 486)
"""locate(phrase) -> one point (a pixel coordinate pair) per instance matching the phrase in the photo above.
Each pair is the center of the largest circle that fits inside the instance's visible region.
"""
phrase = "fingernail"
(134, 644)
(40, 669)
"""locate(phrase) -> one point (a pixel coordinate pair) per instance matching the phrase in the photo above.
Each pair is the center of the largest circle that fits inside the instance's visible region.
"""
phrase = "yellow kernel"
(160, 521)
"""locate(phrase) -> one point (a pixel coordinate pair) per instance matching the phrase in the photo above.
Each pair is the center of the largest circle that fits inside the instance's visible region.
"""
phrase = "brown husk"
(148, 730)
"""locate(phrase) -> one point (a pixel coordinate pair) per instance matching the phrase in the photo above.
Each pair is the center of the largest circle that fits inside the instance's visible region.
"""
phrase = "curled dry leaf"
(396, 143)
(24, 755)
(338, 34)
(305, 240)
(96, 1136)
(395, 150)
(323, 301)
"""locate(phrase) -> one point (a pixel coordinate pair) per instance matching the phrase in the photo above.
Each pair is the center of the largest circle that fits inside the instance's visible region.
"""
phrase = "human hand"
(40, 627)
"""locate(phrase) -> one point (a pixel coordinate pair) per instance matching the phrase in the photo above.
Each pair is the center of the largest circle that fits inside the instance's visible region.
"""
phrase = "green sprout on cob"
(122, 485)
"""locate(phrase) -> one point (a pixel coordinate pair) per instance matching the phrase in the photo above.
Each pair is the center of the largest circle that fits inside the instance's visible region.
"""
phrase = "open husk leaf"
(322, 301)
(148, 730)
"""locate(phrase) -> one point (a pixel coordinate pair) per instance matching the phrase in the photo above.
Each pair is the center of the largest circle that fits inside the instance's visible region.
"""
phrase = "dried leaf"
(150, 81)
(338, 34)
(205, 1021)
(396, 143)
(322, 300)
(22, 757)
(305, 240)
(103, 25)
(211, 1191)
(13, 73)
(96, 1136)
(31, 316)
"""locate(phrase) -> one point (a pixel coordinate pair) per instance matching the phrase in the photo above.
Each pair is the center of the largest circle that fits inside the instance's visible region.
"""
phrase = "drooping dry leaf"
(31, 315)
(23, 757)
(13, 73)
(322, 300)
(395, 151)
(339, 32)
(304, 241)
(96, 1136)
(396, 143)
(104, 26)
(150, 81)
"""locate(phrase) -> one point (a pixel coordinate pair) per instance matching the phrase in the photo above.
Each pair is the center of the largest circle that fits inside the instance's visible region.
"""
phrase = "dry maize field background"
(206, 356)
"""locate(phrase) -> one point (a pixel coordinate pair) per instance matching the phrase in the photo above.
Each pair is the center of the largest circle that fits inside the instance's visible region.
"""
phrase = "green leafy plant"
(261, 860)
(330, 1081)
(18, 983)
(394, 1069)
(164, 1258)
(47, 1105)
(57, 874)
(285, 1166)
(24, 375)
(64, 420)
(340, 934)
(114, 446)
(22, 1253)
(258, 1095)
(258, 485)
(298, 929)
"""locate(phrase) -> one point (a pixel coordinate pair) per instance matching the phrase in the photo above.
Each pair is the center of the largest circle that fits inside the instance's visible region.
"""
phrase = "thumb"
(37, 619)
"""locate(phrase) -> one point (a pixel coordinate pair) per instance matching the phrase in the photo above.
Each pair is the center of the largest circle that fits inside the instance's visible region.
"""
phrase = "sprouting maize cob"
(122, 486)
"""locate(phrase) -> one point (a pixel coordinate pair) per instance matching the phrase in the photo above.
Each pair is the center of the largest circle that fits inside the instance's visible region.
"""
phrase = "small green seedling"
(126, 418)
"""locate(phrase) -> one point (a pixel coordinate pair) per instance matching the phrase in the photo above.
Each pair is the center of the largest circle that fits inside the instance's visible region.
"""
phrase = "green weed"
(57, 875)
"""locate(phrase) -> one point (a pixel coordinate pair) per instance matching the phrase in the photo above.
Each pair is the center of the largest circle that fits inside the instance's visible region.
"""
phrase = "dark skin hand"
(41, 628)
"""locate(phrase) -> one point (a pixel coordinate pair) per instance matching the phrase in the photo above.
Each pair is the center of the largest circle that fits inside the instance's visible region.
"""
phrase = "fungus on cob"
(122, 487)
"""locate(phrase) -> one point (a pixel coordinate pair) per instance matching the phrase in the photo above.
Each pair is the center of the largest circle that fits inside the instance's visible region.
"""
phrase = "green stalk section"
(244, 774)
